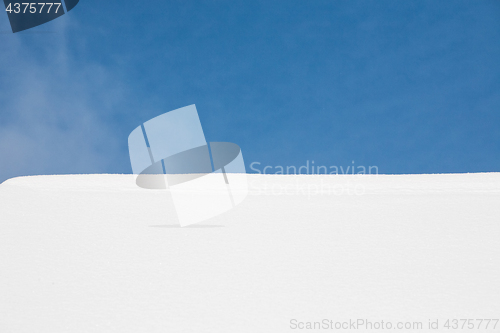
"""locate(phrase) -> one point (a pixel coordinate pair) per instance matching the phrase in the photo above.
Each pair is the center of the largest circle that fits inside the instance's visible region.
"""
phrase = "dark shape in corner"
(30, 15)
(70, 4)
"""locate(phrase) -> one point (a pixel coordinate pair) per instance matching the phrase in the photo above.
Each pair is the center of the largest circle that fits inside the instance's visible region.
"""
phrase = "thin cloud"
(52, 108)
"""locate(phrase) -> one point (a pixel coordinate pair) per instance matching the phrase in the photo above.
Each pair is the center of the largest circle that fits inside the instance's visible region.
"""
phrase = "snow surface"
(96, 253)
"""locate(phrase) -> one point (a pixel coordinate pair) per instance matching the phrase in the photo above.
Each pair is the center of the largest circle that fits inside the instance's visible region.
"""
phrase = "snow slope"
(96, 253)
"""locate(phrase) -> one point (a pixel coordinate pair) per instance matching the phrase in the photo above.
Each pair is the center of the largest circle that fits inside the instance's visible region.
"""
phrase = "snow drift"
(96, 253)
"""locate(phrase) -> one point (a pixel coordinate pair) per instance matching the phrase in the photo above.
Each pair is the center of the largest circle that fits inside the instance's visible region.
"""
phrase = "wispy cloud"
(52, 107)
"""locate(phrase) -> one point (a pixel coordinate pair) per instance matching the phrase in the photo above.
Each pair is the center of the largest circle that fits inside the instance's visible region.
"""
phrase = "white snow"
(96, 253)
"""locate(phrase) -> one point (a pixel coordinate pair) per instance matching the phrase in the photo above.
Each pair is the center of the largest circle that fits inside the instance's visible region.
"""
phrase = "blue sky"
(408, 86)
